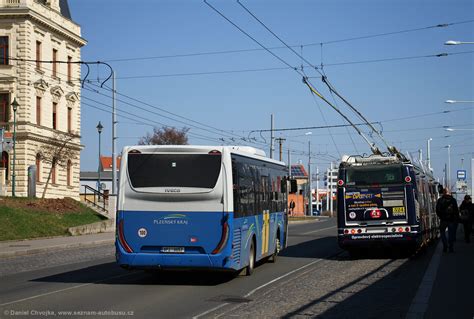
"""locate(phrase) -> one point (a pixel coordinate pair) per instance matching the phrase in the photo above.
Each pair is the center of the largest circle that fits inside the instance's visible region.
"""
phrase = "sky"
(171, 70)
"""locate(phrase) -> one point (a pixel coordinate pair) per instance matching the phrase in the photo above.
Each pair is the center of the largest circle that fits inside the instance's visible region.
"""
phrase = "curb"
(55, 247)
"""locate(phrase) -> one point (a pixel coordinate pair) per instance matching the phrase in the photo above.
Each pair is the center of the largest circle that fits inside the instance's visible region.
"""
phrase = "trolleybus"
(384, 200)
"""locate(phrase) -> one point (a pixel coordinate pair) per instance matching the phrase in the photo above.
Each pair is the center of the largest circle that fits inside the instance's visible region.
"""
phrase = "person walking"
(292, 207)
(448, 213)
(466, 215)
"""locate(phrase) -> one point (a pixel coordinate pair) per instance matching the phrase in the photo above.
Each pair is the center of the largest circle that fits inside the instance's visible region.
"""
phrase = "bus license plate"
(172, 250)
(399, 209)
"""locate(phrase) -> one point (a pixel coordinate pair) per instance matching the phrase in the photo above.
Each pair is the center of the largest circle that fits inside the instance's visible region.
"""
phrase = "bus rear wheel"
(273, 257)
(251, 264)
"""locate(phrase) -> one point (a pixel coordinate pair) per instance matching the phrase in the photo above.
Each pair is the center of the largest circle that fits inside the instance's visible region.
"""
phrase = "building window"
(3, 50)
(38, 167)
(55, 59)
(69, 172)
(38, 110)
(69, 120)
(38, 55)
(69, 69)
(53, 171)
(4, 163)
(4, 107)
(55, 105)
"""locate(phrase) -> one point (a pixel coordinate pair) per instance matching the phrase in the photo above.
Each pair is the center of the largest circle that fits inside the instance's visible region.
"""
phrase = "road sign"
(462, 174)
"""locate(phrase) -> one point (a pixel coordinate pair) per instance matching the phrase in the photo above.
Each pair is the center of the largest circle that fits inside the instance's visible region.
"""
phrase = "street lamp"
(454, 101)
(15, 106)
(99, 130)
(453, 42)
(449, 129)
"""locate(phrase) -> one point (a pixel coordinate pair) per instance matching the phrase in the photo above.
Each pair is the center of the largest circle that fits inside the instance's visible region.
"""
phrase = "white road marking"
(260, 287)
(318, 230)
(210, 310)
(420, 302)
(65, 289)
(281, 277)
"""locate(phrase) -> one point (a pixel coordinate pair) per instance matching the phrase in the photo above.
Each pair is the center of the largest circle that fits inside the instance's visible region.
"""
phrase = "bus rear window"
(380, 175)
(173, 170)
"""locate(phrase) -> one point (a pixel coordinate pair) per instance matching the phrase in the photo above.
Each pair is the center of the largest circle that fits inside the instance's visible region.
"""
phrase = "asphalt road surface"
(311, 278)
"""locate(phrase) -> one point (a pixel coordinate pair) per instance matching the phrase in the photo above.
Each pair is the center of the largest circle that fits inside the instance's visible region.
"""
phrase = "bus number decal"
(398, 211)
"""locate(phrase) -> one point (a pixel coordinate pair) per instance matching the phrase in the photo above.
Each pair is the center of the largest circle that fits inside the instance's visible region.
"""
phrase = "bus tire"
(273, 258)
(251, 263)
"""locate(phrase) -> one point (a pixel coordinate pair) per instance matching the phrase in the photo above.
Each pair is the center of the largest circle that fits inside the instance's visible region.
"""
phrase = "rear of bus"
(172, 208)
(376, 205)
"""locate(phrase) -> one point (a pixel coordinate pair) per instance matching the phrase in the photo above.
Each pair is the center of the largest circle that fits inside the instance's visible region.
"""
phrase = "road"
(311, 277)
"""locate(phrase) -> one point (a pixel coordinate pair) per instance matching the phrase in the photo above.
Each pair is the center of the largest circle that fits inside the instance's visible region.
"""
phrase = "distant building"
(48, 94)
(298, 172)
(91, 178)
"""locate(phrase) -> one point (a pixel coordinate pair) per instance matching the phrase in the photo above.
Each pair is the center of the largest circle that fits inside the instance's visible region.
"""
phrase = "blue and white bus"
(385, 201)
(200, 207)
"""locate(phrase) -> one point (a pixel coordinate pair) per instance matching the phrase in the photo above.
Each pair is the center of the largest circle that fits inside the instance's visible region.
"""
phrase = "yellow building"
(48, 94)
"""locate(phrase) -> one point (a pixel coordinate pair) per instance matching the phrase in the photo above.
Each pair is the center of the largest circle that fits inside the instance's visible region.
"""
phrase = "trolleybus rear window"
(174, 170)
(383, 175)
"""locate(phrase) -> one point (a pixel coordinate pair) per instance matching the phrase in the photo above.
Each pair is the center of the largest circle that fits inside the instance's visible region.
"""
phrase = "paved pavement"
(27, 247)
(433, 285)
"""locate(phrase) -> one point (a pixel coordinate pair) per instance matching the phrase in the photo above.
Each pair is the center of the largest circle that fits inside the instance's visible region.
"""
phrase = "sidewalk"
(451, 294)
(32, 246)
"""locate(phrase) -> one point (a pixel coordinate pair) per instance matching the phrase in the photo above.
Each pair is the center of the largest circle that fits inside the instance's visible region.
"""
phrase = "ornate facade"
(48, 94)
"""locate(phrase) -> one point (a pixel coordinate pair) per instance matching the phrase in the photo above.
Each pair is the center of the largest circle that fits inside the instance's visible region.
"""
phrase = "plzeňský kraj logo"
(173, 219)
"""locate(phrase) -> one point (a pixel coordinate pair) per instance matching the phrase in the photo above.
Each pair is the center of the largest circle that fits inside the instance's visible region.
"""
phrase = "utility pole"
(428, 154)
(114, 138)
(472, 179)
(317, 187)
(331, 202)
(327, 189)
(289, 163)
(310, 195)
(272, 145)
(280, 142)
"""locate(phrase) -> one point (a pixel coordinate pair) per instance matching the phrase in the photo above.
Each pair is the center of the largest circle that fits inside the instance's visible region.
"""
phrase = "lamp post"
(428, 154)
(448, 175)
(15, 106)
(310, 194)
(99, 130)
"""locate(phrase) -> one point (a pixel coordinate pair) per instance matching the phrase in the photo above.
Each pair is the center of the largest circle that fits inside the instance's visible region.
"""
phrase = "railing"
(99, 200)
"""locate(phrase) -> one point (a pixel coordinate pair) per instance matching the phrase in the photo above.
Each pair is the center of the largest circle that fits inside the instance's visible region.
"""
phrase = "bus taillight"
(214, 152)
(346, 231)
(400, 229)
(340, 182)
(408, 179)
(407, 229)
(224, 238)
(122, 240)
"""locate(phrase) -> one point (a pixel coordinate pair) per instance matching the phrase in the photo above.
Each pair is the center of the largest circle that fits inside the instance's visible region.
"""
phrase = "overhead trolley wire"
(193, 54)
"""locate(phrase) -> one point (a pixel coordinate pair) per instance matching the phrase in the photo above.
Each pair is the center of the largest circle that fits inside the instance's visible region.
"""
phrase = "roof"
(106, 163)
(64, 7)
(93, 176)
(298, 170)
(247, 151)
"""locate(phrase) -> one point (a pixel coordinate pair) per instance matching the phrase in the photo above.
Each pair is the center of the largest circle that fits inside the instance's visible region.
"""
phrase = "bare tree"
(58, 153)
(166, 136)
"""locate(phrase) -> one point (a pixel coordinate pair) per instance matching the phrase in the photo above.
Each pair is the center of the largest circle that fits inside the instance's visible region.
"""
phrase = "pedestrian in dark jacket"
(466, 211)
(448, 213)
